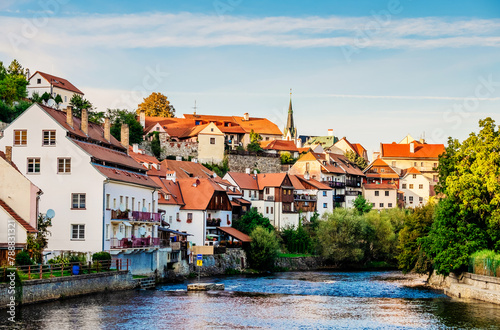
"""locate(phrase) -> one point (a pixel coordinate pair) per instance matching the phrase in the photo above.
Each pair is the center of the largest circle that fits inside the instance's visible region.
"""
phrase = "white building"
(415, 186)
(381, 196)
(311, 196)
(41, 82)
(102, 198)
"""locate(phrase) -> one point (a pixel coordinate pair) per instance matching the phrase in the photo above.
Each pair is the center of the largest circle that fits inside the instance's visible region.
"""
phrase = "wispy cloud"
(159, 30)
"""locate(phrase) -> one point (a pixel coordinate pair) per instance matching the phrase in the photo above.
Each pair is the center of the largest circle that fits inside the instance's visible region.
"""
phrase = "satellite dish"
(51, 103)
(122, 207)
(50, 213)
(119, 236)
(144, 209)
(142, 230)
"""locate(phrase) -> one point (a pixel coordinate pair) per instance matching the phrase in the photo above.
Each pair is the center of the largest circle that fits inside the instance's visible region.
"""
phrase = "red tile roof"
(185, 169)
(374, 186)
(270, 180)
(297, 184)
(59, 82)
(258, 125)
(197, 193)
(170, 189)
(395, 150)
(360, 150)
(315, 183)
(109, 155)
(245, 181)
(279, 145)
(126, 176)
(16, 217)
(411, 170)
(236, 234)
(142, 158)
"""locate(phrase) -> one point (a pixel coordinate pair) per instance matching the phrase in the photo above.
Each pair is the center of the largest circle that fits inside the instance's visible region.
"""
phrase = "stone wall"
(217, 264)
(178, 149)
(300, 263)
(239, 163)
(61, 287)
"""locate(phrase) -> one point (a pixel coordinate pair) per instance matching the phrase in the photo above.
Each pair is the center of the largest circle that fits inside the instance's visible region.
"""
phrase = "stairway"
(147, 283)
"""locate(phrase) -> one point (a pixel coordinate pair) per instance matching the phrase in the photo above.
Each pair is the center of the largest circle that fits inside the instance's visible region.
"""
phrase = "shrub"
(102, 259)
(23, 259)
(264, 248)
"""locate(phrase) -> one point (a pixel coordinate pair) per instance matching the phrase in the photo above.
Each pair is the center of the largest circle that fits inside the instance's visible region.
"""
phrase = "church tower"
(290, 131)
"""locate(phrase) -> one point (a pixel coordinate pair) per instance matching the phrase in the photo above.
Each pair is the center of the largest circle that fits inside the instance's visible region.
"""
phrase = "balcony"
(334, 184)
(304, 197)
(353, 183)
(352, 193)
(136, 216)
(270, 198)
(138, 243)
(339, 199)
(213, 222)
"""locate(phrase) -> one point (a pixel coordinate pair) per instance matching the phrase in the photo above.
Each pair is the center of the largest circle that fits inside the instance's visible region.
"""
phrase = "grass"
(139, 276)
(35, 275)
(485, 262)
(293, 255)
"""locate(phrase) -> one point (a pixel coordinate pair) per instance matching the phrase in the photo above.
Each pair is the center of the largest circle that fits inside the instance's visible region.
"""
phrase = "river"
(295, 300)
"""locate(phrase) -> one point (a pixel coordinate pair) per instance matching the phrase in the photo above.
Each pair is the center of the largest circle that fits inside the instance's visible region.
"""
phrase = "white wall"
(10, 227)
(370, 196)
(416, 192)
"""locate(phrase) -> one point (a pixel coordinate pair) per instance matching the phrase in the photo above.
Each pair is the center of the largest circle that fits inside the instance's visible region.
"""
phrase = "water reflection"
(319, 300)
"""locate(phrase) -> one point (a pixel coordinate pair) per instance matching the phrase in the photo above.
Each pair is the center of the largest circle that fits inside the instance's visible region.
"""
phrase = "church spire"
(290, 132)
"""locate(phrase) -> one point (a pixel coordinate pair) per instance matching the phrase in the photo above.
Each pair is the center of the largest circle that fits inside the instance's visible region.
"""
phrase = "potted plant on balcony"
(189, 220)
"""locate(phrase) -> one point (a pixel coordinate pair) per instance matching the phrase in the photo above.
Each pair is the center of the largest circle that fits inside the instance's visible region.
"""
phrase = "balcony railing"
(352, 193)
(334, 184)
(353, 183)
(136, 216)
(270, 198)
(213, 222)
(137, 243)
(339, 198)
(303, 197)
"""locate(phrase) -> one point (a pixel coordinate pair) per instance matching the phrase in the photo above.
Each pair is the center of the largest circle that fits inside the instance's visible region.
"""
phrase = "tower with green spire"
(290, 131)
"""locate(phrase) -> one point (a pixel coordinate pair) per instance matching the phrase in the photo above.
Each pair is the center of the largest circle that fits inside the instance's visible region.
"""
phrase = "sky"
(373, 71)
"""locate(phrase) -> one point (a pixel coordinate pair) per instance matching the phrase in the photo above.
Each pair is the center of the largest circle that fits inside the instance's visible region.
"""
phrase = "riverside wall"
(468, 286)
(300, 263)
(219, 264)
(33, 291)
(239, 163)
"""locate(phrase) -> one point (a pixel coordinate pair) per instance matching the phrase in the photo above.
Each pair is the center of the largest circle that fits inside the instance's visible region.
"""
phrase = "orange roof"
(125, 176)
(297, 185)
(346, 165)
(185, 169)
(244, 181)
(258, 125)
(236, 234)
(411, 170)
(16, 217)
(142, 158)
(197, 193)
(315, 183)
(301, 150)
(270, 180)
(360, 150)
(59, 82)
(170, 189)
(373, 186)
(109, 155)
(280, 145)
(395, 150)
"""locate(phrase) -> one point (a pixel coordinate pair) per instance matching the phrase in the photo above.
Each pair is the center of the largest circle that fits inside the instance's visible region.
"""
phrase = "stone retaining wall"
(300, 263)
(217, 264)
(239, 163)
(33, 291)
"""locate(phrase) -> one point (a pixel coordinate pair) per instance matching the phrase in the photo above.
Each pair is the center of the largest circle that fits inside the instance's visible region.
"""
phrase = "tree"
(97, 117)
(35, 97)
(119, 117)
(78, 103)
(356, 159)
(362, 205)
(264, 248)
(286, 158)
(13, 83)
(251, 220)
(45, 97)
(15, 69)
(254, 145)
(36, 245)
(219, 169)
(157, 105)
(58, 99)
(155, 145)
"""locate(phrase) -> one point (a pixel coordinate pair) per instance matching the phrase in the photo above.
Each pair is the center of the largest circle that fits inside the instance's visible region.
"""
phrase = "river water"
(295, 300)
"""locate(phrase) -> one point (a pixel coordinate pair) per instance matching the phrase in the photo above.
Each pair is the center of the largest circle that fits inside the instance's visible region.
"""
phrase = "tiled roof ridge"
(18, 218)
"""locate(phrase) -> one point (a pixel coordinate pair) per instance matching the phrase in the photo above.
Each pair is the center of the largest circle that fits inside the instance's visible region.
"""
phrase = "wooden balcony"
(138, 243)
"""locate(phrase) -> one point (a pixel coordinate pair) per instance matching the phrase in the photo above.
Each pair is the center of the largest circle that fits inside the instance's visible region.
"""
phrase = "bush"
(485, 262)
(251, 220)
(23, 259)
(102, 260)
(264, 249)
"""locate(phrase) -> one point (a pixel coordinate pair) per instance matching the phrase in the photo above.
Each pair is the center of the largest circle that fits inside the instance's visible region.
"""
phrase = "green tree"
(45, 97)
(157, 105)
(78, 103)
(155, 145)
(219, 169)
(251, 220)
(58, 99)
(286, 158)
(97, 117)
(264, 248)
(297, 240)
(117, 117)
(13, 88)
(35, 97)
(9, 113)
(356, 159)
(362, 205)
(36, 244)
(15, 69)
(254, 145)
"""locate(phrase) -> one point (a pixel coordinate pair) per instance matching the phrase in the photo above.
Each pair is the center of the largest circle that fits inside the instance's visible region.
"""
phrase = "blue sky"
(373, 71)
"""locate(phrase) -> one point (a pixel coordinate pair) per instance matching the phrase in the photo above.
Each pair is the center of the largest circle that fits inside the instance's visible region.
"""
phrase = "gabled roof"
(297, 185)
(142, 158)
(185, 169)
(96, 132)
(395, 150)
(197, 193)
(244, 181)
(360, 150)
(58, 82)
(346, 165)
(125, 176)
(383, 186)
(16, 217)
(258, 125)
(270, 180)
(380, 164)
(315, 183)
(279, 145)
(411, 170)
(170, 189)
(236, 234)
(109, 155)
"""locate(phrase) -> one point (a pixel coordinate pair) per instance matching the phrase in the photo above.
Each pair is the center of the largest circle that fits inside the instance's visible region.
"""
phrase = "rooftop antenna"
(195, 107)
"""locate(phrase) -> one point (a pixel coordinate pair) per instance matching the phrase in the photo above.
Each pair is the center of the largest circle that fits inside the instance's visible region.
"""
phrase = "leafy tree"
(45, 97)
(35, 97)
(362, 205)
(15, 69)
(286, 158)
(117, 117)
(264, 248)
(157, 105)
(10, 112)
(254, 145)
(78, 103)
(155, 145)
(23, 259)
(97, 117)
(3, 71)
(219, 169)
(356, 159)
(412, 256)
(297, 240)
(13, 88)
(251, 220)
(381, 235)
(58, 99)
(36, 245)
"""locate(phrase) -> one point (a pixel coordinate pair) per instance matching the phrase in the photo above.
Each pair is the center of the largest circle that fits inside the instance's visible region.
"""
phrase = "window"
(121, 201)
(20, 137)
(267, 191)
(143, 204)
(107, 231)
(381, 205)
(420, 199)
(190, 217)
(410, 198)
(177, 216)
(403, 186)
(107, 201)
(324, 193)
(49, 138)
(272, 208)
(169, 219)
(33, 165)
(212, 140)
(63, 165)
(420, 186)
(114, 203)
(382, 170)
(414, 176)
(153, 210)
(387, 193)
(78, 232)
(65, 99)
(126, 202)
(267, 209)
(133, 203)
(377, 193)
(39, 81)
(325, 205)
(78, 201)
(373, 204)
(389, 205)
(411, 186)
(422, 164)
(415, 164)
(435, 165)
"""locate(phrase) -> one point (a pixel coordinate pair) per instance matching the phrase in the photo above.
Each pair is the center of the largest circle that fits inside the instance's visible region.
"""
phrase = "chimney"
(124, 136)
(135, 148)
(69, 116)
(330, 132)
(142, 118)
(107, 130)
(412, 147)
(8, 154)
(247, 170)
(307, 176)
(246, 117)
(84, 124)
(299, 143)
